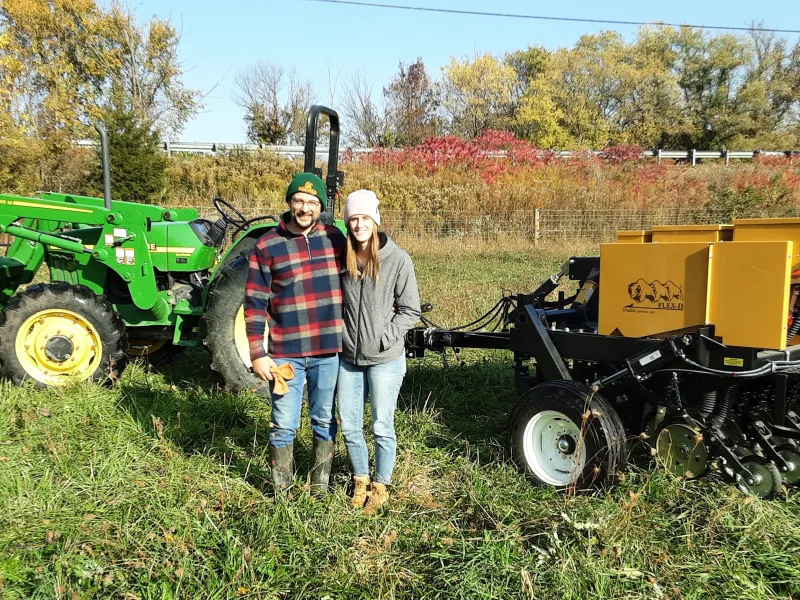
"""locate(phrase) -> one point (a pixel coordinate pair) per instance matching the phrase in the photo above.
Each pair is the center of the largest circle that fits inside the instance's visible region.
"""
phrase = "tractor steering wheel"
(237, 219)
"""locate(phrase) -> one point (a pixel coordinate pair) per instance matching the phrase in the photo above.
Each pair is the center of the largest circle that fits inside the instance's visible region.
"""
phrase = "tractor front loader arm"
(58, 241)
(13, 208)
(121, 246)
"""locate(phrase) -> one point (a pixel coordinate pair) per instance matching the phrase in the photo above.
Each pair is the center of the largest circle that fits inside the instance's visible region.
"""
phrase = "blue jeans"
(382, 384)
(321, 375)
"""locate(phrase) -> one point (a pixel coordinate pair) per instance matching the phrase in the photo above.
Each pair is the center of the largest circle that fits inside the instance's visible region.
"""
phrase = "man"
(293, 314)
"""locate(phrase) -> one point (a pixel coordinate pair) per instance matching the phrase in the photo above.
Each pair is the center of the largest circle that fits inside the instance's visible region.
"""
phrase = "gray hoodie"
(372, 332)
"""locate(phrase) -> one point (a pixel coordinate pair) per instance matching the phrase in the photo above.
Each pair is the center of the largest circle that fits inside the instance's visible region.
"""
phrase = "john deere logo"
(655, 295)
(308, 188)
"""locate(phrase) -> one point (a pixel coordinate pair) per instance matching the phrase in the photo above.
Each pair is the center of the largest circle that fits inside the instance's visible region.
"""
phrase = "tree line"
(676, 88)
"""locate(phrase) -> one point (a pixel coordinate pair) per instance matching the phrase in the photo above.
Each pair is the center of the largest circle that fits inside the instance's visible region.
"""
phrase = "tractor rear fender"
(240, 248)
(245, 242)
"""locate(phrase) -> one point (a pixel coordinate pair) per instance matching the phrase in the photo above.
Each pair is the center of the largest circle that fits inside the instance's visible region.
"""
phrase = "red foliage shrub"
(491, 154)
(617, 154)
(652, 172)
(776, 161)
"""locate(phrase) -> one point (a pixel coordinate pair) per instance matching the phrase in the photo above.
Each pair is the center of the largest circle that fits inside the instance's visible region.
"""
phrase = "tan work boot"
(377, 498)
(361, 491)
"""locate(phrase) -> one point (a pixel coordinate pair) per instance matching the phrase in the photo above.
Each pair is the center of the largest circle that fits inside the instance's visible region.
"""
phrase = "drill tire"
(571, 403)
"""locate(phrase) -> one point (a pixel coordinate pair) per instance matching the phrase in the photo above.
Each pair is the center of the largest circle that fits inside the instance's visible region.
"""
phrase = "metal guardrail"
(214, 147)
(296, 151)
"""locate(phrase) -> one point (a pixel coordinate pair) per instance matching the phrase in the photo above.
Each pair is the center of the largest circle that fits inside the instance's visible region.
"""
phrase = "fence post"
(694, 159)
(536, 214)
(727, 157)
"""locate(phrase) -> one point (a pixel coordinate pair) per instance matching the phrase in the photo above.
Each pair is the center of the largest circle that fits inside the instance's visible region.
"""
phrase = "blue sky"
(219, 38)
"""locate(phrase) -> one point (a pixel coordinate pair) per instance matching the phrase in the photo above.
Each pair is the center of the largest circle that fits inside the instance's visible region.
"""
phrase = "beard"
(309, 218)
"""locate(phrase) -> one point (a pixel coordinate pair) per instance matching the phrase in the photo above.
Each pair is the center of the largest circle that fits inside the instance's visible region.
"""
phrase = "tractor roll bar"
(334, 177)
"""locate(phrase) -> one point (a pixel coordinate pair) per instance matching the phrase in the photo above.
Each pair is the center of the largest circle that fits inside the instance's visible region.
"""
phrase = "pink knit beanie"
(362, 202)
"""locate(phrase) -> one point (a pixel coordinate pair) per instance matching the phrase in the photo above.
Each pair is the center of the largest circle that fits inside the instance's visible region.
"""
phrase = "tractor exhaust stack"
(106, 167)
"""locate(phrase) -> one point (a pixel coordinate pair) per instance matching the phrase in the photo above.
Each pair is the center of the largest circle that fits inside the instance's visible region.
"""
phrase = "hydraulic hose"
(551, 283)
(497, 315)
(544, 290)
(763, 370)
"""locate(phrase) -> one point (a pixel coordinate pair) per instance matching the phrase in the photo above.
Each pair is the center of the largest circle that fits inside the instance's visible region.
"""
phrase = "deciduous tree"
(365, 121)
(478, 94)
(62, 63)
(770, 94)
(276, 101)
(710, 75)
(149, 78)
(412, 102)
(55, 60)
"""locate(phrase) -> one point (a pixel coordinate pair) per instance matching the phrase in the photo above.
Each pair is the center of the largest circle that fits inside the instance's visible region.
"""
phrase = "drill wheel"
(791, 455)
(683, 450)
(766, 477)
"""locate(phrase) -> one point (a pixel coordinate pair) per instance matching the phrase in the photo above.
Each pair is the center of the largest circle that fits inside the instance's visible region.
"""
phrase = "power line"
(544, 18)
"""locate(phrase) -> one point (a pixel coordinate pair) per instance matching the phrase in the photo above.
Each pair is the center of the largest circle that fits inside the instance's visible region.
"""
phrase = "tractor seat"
(10, 268)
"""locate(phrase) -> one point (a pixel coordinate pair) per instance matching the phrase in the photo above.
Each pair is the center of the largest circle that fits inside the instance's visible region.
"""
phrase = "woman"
(380, 304)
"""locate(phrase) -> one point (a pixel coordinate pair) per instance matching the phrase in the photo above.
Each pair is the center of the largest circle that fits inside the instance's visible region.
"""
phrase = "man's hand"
(262, 366)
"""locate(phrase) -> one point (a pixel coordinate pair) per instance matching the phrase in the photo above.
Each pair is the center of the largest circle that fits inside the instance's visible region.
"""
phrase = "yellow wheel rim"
(55, 346)
(240, 337)
(145, 346)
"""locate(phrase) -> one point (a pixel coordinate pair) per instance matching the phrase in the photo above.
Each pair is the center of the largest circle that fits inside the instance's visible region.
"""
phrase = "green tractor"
(130, 280)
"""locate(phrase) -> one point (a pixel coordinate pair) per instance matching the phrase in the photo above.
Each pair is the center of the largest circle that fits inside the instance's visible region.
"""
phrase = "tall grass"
(158, 487)
(258, 181)
(468, 180)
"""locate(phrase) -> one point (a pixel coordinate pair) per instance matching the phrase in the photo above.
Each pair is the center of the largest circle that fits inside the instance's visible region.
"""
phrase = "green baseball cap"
(310, 184)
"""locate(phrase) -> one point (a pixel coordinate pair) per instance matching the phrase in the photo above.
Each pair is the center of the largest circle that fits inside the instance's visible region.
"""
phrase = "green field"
(156, 488)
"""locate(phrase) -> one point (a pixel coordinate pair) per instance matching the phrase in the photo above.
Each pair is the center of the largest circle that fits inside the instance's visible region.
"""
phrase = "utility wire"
(544, 18)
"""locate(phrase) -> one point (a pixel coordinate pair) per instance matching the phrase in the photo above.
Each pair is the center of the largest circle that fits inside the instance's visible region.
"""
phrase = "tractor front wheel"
(55, 333)
(567, 438)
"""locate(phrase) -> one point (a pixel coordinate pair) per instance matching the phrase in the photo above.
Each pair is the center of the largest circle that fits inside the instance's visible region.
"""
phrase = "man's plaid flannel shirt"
(293, 299)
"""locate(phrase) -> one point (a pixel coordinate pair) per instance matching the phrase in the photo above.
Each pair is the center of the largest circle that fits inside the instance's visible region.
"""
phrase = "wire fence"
(538, 225)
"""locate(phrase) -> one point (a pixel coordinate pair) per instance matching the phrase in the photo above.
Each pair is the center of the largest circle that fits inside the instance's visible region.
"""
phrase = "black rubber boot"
(321, 471)
(282, 461)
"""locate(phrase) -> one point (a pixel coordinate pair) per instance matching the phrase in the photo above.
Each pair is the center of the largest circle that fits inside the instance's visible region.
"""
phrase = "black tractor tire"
(563, 411)
(95, 310)
(226, 296)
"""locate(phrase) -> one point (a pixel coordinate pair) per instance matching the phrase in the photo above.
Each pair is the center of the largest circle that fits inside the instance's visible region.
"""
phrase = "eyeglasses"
(313, 204)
